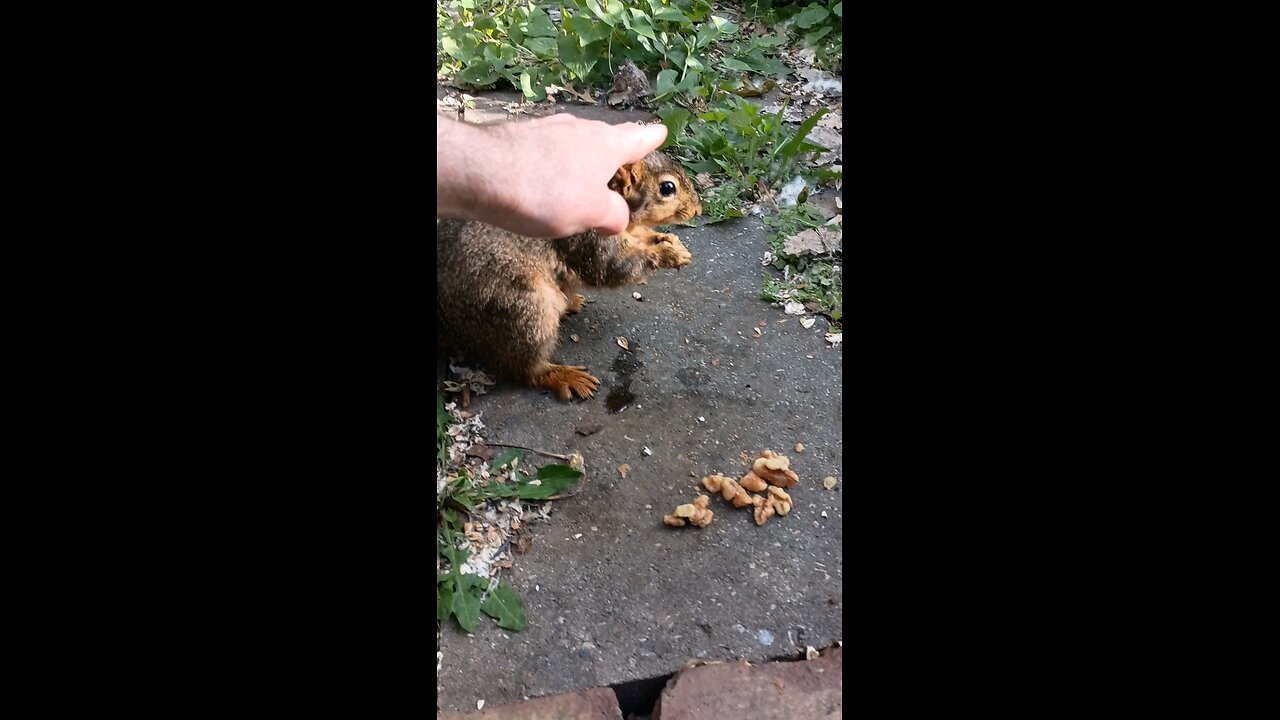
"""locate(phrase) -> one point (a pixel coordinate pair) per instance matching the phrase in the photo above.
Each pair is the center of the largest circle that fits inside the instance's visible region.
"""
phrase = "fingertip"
(617, 217)
(645, 139)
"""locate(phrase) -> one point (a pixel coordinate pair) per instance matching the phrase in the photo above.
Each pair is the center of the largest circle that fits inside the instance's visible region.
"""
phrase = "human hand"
(547, 177)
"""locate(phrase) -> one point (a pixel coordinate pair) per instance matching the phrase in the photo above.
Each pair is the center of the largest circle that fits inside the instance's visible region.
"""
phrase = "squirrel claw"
(567, 381)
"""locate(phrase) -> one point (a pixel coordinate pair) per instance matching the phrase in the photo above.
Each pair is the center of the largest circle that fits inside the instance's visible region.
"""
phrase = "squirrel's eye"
(667, 188)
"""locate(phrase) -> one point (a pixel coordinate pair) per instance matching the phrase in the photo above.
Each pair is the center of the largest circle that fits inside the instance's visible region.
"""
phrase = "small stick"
(540, 452)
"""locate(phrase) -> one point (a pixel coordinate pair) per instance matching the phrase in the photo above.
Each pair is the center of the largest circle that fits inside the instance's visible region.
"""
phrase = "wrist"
(463, 171)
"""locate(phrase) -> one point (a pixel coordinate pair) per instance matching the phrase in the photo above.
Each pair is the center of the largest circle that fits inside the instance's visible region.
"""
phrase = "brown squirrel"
(501, 296)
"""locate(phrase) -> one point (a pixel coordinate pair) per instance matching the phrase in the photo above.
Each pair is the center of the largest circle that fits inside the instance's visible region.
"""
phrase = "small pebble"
(799, 447)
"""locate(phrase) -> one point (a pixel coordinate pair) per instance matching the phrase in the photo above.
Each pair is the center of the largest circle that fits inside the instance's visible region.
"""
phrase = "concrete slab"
(631, 598)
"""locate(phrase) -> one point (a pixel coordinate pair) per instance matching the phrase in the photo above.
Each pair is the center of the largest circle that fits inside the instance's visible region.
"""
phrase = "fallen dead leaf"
(828, 482)
(799, 447)
(704, 180)
(835, 338)
(793, 308)
(622, 343)
(814, 241)
(808, 322)
(623, 469)
(573, 337)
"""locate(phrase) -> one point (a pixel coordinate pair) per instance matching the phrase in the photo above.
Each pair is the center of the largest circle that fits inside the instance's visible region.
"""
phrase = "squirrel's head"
(657, 191)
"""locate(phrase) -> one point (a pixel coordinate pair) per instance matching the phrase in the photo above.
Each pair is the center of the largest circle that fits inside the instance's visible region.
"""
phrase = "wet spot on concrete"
(620, 398)
(626, 364)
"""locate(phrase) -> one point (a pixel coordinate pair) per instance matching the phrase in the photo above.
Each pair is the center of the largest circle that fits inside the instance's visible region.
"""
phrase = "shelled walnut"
(728, 488)
(697, 513)
(773, 468)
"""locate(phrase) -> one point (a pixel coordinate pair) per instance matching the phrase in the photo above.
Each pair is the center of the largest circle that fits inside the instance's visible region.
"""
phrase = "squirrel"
(501, 296)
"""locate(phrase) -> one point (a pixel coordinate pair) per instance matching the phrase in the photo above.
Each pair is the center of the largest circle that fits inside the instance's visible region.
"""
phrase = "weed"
(754, 150)
(465, 595)
(805, 278)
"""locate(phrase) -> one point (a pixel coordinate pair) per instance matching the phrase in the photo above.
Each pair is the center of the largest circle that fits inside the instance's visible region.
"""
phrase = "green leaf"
(579, 60)
(478, 75)
(733, 64)
(676, 119)
(642, 27)
(768, 41)
(540, 25)
(744, 116)
(562, 475)
(810, 16)
(485, 23)
(837, 11)
(450, 517)
(541, 46)
(509, 455)
(587, 30)
(666, 82)
(551, 480)
(464, 500)
(698, 10)
(444, 601)
(767, 66)
(532, 87)
(813, 37)
(504, 606)
(670, 13)
(793, 145)
(599, 12)
(725, 26)
(615, 10)
(706, 34)
(466, 601)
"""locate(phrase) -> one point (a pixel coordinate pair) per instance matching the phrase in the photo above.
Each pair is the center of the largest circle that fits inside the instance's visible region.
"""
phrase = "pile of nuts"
(769, 474)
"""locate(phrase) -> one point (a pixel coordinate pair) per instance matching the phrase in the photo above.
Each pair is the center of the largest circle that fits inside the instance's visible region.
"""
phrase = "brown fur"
(501, 296)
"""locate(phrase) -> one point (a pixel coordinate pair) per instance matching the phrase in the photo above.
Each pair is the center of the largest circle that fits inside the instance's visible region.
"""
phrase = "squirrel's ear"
(627, 178)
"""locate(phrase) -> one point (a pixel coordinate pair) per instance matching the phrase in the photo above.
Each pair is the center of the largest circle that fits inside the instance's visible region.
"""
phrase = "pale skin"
(545, 178)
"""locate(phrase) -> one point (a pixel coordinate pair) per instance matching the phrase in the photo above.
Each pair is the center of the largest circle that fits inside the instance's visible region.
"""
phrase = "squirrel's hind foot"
(575, 305)
(566, 381)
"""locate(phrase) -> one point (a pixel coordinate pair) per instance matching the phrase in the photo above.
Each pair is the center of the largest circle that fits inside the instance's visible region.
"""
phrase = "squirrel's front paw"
(566, 381)
(671, 253)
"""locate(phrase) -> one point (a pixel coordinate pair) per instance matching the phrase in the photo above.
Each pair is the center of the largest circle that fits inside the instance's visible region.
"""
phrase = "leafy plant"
(733, 138)
(464, 595)
(815, 25)
(491, 40)
(806, 278)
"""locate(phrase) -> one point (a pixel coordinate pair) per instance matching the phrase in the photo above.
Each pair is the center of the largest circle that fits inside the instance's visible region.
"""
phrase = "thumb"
(616, 214)
(641, 140)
